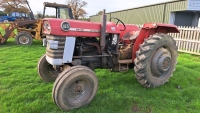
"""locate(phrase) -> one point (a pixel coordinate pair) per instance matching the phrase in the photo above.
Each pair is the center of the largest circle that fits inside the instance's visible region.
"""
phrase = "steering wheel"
(118, 20)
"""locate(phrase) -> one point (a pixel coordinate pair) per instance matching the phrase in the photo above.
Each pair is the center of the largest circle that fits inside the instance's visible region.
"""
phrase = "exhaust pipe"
(103, 31)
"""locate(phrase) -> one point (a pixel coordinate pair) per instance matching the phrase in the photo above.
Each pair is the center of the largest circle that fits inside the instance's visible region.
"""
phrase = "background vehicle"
(31, 28)
(13, 16)
(7, 18)
(76, 48)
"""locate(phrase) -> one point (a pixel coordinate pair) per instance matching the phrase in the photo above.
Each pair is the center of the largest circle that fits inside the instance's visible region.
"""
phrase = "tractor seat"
(131, 35)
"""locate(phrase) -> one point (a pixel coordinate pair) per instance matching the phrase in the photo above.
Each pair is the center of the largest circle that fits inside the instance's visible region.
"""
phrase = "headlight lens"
(52, 44)
(46, 25)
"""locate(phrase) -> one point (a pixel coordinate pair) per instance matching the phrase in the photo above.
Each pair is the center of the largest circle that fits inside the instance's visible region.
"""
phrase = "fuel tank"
(129, 28)
(76, 28)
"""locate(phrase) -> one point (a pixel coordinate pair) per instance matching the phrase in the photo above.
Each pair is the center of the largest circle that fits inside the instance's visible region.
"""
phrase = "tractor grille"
(56, 53)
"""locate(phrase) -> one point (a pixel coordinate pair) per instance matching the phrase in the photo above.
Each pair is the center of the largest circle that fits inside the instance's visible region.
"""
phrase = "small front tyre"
(46, 70)
(75, 88)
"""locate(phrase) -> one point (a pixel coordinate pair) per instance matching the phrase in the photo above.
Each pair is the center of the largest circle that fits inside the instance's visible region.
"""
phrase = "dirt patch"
(135, 108)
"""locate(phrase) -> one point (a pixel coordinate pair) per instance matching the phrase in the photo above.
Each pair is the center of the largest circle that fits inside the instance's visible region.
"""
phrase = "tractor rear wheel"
(46, 70)
(24, 38)
(74, 88)
(155, 60)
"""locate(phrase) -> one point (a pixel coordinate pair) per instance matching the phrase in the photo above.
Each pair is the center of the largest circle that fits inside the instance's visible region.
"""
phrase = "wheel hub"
(164, 62)
(161, 62)
(77, 89)
(23, 40)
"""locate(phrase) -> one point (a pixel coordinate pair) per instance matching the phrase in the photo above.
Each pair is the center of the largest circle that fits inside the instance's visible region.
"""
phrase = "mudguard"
(150, 29)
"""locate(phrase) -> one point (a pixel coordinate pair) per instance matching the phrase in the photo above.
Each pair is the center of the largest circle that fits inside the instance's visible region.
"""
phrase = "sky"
(94, 6)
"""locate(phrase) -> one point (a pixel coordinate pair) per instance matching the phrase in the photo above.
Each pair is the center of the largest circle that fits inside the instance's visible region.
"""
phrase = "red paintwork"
(150, 29)
(129, 27)
(56, 29)
(113, 25)
(170, 28)
(147, 30)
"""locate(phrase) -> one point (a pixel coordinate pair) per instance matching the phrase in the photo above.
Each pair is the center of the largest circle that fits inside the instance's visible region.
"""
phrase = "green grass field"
(22, 90)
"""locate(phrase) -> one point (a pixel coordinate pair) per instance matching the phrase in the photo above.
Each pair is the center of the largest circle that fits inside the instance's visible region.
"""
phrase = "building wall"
(159, 13)
(173, 7)
(97, 18)
(141, 15)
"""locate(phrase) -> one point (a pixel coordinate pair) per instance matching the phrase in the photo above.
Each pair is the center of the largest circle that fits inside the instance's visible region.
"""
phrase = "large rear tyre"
(24, 38)
(155, 60)
(46, 71)
(74, 88)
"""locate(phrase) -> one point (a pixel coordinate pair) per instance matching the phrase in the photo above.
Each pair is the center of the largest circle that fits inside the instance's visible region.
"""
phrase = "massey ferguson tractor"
(75, 48)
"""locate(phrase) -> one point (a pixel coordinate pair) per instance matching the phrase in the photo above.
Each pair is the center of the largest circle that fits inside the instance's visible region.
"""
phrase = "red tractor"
(75, 48)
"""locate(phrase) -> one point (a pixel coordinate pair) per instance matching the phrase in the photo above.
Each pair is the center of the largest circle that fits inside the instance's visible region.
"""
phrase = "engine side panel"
(69, 49)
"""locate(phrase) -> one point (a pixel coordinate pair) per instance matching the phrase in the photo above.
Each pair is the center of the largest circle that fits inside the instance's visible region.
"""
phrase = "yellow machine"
(10, 30)
(3, 27)
(24, 31)
(27, 33)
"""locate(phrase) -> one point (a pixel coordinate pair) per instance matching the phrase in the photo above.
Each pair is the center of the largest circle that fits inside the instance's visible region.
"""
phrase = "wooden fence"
(188, 40)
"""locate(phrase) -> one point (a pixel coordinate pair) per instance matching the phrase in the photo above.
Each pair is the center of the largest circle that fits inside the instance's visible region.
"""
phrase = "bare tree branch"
(77, 8)
(14, 5)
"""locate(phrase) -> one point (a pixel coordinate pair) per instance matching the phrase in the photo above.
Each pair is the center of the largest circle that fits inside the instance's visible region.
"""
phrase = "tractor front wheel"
(74, 88)
(24, 38)
(155, 60)
(46, 70)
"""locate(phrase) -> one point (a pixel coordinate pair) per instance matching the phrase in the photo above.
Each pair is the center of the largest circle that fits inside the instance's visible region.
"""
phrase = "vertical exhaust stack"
(103, 31)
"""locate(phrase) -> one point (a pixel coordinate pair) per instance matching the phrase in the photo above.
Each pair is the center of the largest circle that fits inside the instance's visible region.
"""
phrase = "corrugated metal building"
(178, 12)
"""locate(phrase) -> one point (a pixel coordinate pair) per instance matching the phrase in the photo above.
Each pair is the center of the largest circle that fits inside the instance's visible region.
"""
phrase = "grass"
(22, 91)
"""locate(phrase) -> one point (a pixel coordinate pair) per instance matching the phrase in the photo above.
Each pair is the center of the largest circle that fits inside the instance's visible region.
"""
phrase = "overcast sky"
(94, 6)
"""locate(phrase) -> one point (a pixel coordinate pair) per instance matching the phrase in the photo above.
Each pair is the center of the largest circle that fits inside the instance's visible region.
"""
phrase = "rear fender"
(150, 29)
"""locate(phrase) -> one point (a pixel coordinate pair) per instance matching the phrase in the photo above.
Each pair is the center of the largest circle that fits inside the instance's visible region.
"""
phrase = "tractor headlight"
(52, 44)
(46, 27)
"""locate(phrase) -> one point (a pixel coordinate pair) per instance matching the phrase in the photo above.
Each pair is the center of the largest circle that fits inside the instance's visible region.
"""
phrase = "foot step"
(123, 65)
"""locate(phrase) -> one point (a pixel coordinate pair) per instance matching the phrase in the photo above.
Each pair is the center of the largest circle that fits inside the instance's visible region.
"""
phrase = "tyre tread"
(142, 57)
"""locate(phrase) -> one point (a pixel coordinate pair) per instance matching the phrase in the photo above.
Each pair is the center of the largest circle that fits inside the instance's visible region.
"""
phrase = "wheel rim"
(51, 70)
(161, 62)
(79, 91)
(23, 40)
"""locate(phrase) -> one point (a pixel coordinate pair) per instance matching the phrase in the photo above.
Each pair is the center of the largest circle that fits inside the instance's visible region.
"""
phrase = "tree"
(77, 8)
(100, 13)
(39, 14)
(14, 6)
(82, 13)
(2, 13)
